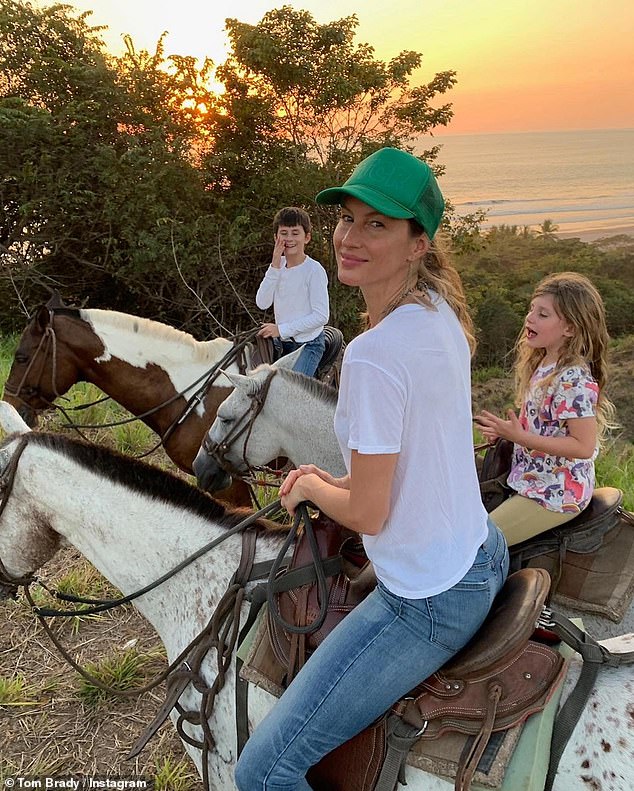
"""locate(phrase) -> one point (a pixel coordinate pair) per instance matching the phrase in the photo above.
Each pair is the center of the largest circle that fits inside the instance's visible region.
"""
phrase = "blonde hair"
(435, 271)
(578, 303)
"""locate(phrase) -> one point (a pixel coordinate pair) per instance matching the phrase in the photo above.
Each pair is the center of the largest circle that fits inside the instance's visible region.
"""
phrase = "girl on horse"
(403, 423)
(560, 375)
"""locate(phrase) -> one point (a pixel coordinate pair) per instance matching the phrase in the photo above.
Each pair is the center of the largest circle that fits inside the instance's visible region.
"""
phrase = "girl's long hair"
(577, 302)
(435, 271)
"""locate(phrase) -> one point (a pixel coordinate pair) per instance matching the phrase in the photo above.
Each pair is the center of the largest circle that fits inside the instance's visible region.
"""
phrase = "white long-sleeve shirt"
(299, 296)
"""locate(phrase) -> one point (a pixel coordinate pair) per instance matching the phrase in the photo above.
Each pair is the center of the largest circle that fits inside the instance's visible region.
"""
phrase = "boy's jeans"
(310, 357)
(380, 651)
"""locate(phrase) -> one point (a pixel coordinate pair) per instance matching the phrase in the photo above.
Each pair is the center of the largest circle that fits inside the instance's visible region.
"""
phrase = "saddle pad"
(517, 758)
(597, 582)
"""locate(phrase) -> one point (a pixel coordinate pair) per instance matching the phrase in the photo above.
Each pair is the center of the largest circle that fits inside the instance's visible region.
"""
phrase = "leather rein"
(221, 631)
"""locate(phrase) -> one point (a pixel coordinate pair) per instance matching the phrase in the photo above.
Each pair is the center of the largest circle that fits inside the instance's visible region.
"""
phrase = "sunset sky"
(522, 66)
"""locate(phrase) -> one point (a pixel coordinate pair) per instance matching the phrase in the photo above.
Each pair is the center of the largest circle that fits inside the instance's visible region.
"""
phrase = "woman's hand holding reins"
(294, 487)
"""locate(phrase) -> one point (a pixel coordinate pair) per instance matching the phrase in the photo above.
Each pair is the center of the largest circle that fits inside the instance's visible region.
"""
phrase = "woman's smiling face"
(375, 252)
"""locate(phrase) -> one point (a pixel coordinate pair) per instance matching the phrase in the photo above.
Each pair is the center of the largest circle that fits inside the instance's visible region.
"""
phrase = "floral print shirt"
(557, 483)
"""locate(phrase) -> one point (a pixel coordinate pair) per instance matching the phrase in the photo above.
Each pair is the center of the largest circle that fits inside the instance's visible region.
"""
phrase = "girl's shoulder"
(578, 374)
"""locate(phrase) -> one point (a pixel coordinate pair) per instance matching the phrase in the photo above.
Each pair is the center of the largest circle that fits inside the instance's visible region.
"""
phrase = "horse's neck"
(132, 354)
(131, 539)
(306, 424)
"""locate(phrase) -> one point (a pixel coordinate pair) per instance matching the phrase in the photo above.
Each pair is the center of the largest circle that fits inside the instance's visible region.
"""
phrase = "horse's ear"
(43, 317)
(247, 384)
(289, 360)
(10, 420)
(55, 301)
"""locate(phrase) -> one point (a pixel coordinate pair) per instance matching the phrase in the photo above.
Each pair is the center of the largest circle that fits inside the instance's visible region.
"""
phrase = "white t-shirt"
(406, 388)
(299, 296)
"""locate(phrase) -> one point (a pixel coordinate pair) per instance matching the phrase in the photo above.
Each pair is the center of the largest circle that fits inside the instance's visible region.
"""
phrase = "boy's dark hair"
(290, 216)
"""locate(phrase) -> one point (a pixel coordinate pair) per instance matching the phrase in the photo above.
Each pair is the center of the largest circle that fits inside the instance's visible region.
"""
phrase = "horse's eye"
(21, 358)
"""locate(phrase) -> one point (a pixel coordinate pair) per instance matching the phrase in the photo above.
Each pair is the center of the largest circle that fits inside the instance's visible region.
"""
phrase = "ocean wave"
(496, 201)
(494, 208)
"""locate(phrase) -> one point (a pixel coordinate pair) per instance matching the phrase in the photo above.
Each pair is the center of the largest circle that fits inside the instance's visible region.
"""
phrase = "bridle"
(243, 425)
(47, 341)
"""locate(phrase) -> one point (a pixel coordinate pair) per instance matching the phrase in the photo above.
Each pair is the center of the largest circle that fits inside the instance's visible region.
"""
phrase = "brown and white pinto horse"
(153, 370)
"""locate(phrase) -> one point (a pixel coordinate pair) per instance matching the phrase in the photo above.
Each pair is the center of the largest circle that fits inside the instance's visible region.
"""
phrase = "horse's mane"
(148, 327)
(141, 477)
(319, 390)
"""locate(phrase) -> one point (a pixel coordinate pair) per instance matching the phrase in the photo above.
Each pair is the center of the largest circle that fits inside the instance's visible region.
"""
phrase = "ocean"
(581, 180)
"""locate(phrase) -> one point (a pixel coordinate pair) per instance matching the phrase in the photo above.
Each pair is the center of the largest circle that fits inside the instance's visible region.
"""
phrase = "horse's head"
(42, 369)
(17, 561)
(241, 437)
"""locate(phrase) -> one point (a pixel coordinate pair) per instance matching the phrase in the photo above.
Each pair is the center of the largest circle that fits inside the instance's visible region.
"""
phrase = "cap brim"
(373, 198)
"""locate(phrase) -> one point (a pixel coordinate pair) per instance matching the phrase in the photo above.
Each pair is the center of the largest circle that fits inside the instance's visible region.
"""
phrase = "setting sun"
(520, 67)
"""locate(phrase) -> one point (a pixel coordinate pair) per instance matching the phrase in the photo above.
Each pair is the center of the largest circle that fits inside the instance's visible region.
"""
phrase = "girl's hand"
(494, 427)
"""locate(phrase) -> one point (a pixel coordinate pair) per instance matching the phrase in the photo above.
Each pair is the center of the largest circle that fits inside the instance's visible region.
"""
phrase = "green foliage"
(15, 691)
(615, 467)
(126, 184)
(503, 266)
(120, 672)
(174, 775)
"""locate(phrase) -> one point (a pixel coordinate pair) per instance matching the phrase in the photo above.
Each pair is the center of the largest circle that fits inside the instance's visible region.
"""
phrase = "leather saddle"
(499, 679)
(264, 351)
(583, 534)
(296, 597)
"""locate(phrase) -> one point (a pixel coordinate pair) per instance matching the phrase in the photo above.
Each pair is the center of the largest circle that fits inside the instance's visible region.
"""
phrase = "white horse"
(97, 500)
(296, 420)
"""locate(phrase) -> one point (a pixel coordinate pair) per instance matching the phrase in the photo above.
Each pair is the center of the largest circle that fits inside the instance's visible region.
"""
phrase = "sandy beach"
(592, 234)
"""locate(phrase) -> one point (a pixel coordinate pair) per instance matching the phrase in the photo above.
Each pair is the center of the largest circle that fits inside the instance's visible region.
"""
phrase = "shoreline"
(594, 234)
(588, 234)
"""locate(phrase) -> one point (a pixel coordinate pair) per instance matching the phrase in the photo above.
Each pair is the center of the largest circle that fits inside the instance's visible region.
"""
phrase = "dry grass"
(48, 729)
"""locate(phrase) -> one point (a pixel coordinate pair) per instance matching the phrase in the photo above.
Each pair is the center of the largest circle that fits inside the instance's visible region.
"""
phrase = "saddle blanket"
(515, 758)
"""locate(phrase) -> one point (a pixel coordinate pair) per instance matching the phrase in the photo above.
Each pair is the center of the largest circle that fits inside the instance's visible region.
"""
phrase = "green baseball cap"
(396, 184)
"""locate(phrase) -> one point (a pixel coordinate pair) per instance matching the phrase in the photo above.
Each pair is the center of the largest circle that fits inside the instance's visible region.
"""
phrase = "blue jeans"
(310, 357)
(378, 653)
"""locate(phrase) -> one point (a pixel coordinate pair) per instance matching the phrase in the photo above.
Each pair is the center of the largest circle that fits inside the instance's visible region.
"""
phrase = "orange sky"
(522, 66)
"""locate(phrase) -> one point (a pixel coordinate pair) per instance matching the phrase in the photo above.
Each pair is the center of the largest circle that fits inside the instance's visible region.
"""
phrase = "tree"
(303, 104)
(547, 230)
(96, 152)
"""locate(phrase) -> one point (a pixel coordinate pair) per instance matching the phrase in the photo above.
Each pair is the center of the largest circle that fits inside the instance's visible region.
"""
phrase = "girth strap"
(241, 686)
(401, 737)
